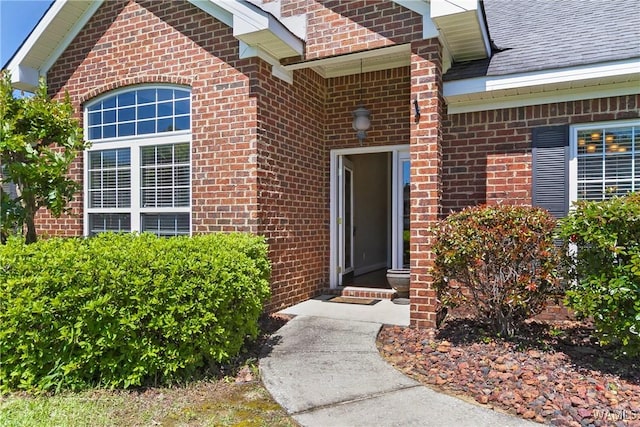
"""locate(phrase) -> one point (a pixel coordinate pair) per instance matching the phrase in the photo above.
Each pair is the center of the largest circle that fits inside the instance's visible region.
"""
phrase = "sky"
(17, 19)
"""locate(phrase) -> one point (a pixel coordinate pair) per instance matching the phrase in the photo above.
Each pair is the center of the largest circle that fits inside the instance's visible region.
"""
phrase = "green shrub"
(604, 265)
(498, 260)
(126, 310)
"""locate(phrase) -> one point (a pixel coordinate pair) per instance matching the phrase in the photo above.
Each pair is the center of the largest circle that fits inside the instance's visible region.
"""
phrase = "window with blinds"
(607, 161)
(138, 169)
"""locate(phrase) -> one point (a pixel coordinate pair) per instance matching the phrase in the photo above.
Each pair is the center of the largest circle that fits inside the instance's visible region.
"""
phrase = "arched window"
(138, 169)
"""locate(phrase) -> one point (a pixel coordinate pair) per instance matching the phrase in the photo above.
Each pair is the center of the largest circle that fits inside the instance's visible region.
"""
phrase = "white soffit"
(47, 41)
(462, 28)
(567, 84)
(369, 60)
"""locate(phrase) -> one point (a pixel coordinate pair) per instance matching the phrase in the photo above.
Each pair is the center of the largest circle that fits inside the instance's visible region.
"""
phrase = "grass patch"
(207, 403)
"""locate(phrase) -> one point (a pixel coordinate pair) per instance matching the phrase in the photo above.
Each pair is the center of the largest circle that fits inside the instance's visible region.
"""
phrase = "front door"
(346, 229)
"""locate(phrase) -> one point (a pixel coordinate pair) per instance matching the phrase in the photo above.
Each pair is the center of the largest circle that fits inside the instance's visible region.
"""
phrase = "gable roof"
(260, 33)
(538, 35)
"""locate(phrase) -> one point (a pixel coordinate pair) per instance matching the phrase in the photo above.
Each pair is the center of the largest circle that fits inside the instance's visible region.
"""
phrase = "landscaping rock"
(562, 378)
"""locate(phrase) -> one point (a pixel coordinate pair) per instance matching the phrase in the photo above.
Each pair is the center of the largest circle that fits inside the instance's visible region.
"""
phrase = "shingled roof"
(538, 35)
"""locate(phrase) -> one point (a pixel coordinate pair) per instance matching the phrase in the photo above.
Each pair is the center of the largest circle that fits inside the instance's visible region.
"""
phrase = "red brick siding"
(299, 125)
(426, 176)
(146, 41)
(487, 154)
(386, 94)
(293, 184)
(338, 27)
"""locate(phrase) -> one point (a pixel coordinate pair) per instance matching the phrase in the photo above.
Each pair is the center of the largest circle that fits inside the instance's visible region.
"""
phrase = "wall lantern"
(361, 116)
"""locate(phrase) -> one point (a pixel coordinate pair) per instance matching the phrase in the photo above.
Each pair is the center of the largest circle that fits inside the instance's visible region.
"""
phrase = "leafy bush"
(126, 310)
(604, 264)
(498, 260)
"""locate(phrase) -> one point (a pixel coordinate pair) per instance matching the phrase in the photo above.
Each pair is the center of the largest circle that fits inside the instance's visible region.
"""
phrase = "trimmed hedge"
(604, 264)
(121, 310)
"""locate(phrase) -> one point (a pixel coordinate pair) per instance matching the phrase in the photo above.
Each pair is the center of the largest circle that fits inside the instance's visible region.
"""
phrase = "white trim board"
(546, 97)
(567, 84)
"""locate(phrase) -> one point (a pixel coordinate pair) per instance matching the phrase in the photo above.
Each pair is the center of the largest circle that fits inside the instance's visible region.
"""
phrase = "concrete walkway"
(324, 368)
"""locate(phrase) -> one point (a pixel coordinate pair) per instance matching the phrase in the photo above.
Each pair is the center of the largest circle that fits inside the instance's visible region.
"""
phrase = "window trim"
(573, 149)
(134, 143)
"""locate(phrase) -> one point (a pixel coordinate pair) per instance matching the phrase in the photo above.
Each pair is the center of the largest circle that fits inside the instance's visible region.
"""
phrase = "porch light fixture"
(361, 116)
(416, 108)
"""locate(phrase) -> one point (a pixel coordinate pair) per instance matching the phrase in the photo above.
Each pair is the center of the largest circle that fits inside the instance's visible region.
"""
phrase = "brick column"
(426, 175)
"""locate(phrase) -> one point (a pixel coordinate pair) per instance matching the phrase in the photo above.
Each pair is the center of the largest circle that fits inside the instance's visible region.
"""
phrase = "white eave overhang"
(260, 34)
(546, 86)
(472, 42)
(462, 28)
(60, 24)
(365, 61)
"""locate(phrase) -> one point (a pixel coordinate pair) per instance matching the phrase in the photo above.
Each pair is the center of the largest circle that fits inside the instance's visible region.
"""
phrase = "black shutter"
(550, 151)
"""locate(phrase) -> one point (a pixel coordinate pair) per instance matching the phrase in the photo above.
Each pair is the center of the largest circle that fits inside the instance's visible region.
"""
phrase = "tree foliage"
(39, 139)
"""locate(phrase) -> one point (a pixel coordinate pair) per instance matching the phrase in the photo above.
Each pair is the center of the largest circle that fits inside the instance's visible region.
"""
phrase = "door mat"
(354, 300)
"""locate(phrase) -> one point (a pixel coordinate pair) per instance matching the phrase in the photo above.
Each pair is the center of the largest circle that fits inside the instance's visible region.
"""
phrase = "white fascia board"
(422, 7)
(24, 78)
(247, 51)
(522, 80)
(213, 9)
(443, 8)
(337, 60)
(548, 97)
(451, 7)
(247, 20)
(484, 30)
(75, 30)
(36, 34)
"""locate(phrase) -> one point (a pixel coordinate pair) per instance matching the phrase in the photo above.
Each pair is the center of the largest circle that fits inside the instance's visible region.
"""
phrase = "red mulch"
(555, 374)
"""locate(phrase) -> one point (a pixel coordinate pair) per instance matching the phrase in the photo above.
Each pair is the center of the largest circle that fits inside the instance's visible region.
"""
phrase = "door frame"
(345, 164)
(334, 204)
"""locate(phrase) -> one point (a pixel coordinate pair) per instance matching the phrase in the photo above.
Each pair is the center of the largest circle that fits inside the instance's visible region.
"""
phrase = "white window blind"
(607, 161)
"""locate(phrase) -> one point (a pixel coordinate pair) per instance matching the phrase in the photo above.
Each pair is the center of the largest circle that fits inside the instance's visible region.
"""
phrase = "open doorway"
(370, 214)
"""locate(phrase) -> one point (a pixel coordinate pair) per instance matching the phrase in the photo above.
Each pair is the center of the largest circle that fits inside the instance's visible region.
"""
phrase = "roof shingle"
(537, 35)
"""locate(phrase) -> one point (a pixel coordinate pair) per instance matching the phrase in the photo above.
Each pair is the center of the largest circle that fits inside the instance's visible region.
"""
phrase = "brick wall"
(386, 94)
(299, 125)
(260, 147)
(149, 42)
(293, 181)
(487, 154)
(337, 27)
(426, 176)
